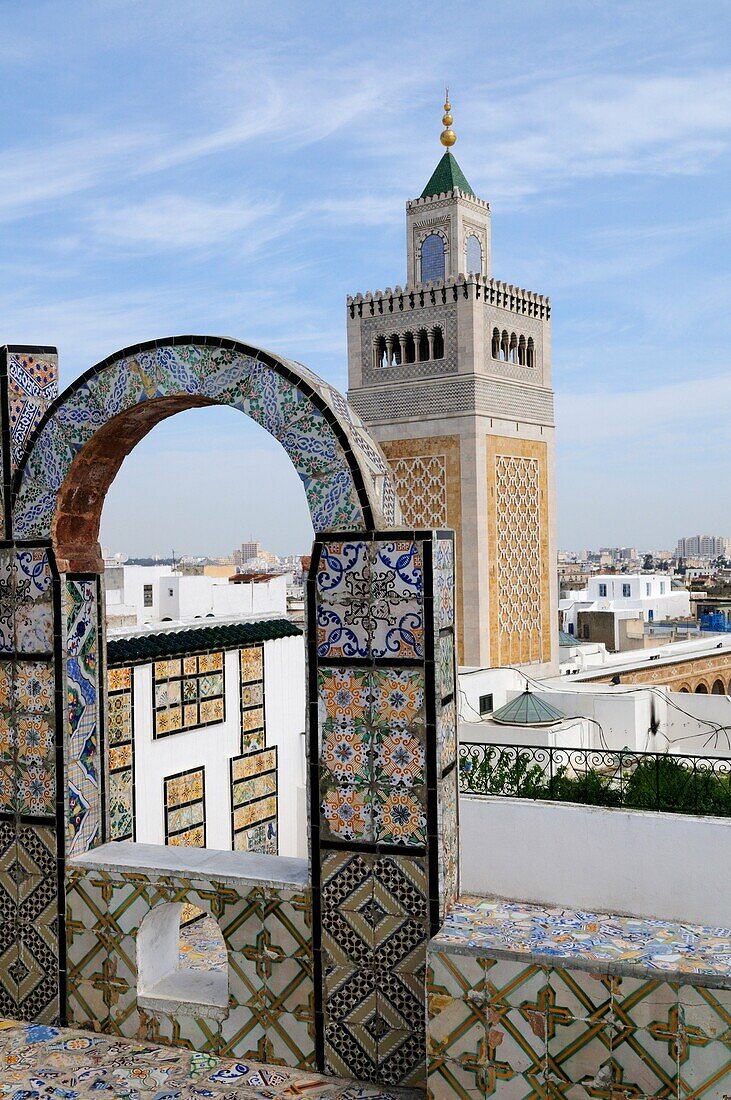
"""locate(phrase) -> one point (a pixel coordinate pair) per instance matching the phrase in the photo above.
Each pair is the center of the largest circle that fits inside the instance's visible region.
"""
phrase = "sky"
(238, 168)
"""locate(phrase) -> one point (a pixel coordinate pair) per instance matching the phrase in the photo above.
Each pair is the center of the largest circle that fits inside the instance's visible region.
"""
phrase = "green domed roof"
(528, 710)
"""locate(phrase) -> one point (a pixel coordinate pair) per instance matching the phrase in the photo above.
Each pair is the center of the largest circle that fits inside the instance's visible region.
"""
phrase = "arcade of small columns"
(699, 676)
(409, 347)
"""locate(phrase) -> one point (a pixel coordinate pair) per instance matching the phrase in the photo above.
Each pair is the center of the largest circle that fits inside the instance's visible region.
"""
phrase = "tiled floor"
(39, 1062)
(202, 946)
(493, 927)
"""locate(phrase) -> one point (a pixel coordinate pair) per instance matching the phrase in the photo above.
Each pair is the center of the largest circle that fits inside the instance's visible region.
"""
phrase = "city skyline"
(251, 200)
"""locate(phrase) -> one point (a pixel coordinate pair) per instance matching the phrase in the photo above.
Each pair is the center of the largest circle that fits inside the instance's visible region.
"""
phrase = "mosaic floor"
(202, 946)
(517, 928)
(39, 1062)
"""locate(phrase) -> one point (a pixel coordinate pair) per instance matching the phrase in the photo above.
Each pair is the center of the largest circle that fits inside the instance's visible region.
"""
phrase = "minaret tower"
(452, 374)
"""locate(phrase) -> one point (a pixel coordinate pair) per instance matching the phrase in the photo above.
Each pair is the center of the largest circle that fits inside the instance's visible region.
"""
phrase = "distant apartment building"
(704, 546)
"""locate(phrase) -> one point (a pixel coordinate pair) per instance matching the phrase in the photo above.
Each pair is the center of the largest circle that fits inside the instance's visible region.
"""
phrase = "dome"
(528, 709)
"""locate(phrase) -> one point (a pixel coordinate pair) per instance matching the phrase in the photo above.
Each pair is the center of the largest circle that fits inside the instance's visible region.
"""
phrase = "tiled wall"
(383, 792)
(268, 935)
(120, 716)
(253, 711)
(84, 714)
(254, 802)
(504, 1028)
(32, 805)
(189, 693)
(185, 808)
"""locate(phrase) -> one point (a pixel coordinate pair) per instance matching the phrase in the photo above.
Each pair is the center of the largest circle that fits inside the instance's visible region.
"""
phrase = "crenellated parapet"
(493, 292)
(426, 201)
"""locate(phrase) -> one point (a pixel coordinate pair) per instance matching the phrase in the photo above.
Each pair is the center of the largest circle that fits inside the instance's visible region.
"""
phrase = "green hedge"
(643, 783)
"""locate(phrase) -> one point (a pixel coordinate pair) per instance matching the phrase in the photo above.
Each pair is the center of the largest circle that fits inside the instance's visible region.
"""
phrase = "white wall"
(666, 866)
(688, 728)
(284, 686)
(213, 746)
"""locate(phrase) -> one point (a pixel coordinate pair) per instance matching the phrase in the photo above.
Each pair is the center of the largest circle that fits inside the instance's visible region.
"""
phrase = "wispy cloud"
(564, 129)
(171, 222)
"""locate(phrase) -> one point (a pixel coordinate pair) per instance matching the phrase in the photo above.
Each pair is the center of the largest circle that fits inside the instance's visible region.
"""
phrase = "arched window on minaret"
(531, 352)
(410, 348)
(521, 351)
(432, 259)
(496, 343)
(423, 346)
(513, 348)
(438, 343)
(380, 356)
(474, 255)
(504, 346)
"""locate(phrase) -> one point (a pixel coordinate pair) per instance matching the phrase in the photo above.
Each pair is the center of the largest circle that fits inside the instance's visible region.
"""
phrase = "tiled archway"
(380, 612)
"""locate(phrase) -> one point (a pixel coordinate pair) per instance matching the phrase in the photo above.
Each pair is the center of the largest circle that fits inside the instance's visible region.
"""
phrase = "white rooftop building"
(644, 597)
(141, 595)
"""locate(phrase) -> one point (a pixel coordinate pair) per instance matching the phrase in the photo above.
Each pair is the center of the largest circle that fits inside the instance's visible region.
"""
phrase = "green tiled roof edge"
(446, 176)
(150, 647)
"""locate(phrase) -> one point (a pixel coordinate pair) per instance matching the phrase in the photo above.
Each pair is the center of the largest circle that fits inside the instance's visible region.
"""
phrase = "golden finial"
(447, 136)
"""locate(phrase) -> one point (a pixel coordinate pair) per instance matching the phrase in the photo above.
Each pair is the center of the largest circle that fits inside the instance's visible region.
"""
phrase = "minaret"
(452, 375)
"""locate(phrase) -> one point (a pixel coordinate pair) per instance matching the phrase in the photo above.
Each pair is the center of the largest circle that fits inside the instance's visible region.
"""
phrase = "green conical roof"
(528, 710)
(446, 176)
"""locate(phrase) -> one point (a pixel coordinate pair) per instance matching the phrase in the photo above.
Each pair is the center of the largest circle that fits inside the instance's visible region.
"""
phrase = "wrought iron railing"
(599, 777)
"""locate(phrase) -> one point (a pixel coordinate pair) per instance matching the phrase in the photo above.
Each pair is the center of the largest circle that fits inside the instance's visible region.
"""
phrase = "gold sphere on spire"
(447, 136)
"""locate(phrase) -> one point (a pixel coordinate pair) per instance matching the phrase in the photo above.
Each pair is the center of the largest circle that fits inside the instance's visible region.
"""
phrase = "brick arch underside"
(87, 432)
(75, 529)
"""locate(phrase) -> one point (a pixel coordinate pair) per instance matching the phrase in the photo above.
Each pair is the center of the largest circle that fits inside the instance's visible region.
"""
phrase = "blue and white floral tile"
(344, 573)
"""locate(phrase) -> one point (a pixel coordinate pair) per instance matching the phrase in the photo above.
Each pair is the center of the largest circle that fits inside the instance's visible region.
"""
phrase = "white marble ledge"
(232, 868)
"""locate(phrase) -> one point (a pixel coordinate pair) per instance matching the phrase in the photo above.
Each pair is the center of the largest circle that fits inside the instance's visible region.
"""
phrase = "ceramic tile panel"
(254, 802)
(33, 602)
(253, 709)
(343, 588)
(378, 759)
(185, 808)
(32, 385)
(120, 738)
(447, 734)
(445, 666)
(82, 671)
(397, 593)
(188, 693)
(448, 804)
(664, 950)
(444, 583)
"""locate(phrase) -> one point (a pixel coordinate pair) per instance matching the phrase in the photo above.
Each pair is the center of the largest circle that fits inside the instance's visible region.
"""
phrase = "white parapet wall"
(666, 866)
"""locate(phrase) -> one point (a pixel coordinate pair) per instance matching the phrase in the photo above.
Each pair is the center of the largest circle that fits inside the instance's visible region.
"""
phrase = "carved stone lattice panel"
(421, 483)
(518, 540)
